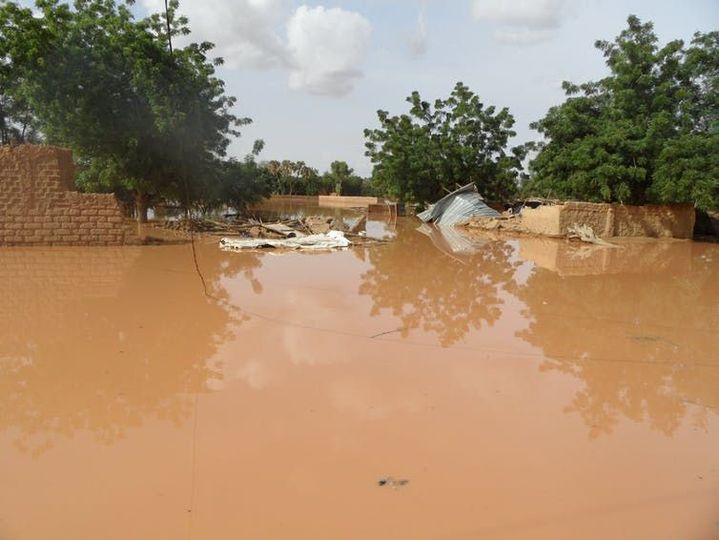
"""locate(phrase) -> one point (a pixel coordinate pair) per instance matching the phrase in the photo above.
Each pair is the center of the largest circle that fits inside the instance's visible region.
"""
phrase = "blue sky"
(311, 75)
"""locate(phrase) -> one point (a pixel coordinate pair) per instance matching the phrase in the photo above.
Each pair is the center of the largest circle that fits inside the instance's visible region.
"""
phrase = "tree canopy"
(646, 133)
(421, 155)
(292, 177)
(90, 76)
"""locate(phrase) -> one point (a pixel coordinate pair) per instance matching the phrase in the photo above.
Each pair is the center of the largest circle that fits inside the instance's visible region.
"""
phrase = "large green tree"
(641, 134)
(421, 155)
(149, 117)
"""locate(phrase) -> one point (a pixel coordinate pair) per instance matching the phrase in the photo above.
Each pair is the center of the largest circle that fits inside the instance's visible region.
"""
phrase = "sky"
(312, 75)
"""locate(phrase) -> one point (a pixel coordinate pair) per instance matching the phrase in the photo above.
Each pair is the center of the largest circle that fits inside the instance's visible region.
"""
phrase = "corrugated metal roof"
(458, 206)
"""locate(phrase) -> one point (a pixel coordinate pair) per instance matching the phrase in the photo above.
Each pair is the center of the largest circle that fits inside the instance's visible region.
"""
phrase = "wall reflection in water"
(99, 339)
(636, 326)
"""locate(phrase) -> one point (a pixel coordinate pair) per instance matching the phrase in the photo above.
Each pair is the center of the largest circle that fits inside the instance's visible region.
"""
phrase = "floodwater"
(533, 389)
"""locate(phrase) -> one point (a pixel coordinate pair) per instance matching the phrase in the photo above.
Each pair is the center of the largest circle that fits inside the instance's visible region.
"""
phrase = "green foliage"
(243, 184)
(340, 179)
(688, 171)
(418, 156)
(611, 140)
(293, 178)
(152, 119)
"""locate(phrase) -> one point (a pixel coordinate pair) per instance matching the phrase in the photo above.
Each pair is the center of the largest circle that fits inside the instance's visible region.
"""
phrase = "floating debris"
(586, 234)
(393, 483)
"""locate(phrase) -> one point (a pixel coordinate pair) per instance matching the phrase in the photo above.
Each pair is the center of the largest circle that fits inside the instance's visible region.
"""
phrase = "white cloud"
(418, 40)
(521, 22)
(322, 50)
(326, 48)
(243, 31)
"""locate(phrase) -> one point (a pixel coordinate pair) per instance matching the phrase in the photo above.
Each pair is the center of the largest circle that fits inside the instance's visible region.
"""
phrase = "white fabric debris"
(330, 240)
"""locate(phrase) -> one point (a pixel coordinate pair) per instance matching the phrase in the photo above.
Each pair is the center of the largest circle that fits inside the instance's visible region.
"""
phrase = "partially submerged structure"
(457, 207)
(606, 220)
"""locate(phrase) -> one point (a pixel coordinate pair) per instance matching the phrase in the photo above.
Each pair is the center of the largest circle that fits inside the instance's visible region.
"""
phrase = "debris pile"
(248, 228)
(312, 232)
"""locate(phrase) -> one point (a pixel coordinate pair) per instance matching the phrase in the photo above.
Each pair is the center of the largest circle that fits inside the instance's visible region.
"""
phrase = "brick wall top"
(30, 160)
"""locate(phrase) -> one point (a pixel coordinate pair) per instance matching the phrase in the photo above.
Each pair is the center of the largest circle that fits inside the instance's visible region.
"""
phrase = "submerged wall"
(324, 200)
(38, 204)
(607, 220)
(346, 200)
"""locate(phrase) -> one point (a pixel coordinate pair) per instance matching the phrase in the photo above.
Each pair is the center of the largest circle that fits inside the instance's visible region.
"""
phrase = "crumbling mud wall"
(38, 204)
(675, 221)
(608, 220)
(543, 220)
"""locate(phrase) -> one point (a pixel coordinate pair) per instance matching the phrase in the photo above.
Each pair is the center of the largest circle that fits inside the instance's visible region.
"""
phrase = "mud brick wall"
(608, 220)
(38, 204)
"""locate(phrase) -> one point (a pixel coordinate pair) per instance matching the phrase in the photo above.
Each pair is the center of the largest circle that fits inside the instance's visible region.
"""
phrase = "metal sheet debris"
(458, 206)
(330, 240)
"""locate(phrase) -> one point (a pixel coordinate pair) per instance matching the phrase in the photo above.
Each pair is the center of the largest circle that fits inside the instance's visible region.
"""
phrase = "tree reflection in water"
(437, 293)
(100, 339)
(638, 328)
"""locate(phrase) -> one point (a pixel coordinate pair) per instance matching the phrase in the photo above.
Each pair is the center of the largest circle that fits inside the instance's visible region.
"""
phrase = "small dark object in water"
(391, 482)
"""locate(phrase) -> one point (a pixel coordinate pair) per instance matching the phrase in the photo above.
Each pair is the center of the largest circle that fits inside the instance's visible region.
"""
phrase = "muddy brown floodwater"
(533, 389)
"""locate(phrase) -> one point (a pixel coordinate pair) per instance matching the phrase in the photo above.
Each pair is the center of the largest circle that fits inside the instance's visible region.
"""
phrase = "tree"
(153, 119)
(291, 177)
(687, 171)
(244, 183)
(16, 122)
(419, 156)
(340, 179)
(611, 139)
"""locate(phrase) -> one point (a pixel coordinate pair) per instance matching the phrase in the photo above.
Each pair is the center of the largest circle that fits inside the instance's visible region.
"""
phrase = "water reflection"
(102, 339)
(83, 345)
(429, 290)
(637, 327)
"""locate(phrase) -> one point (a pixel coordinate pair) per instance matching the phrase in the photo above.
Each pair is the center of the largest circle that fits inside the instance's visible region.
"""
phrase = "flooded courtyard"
(527, 388)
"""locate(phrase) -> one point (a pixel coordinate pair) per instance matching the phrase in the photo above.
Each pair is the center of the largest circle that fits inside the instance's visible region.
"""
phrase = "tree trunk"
(141, 200)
